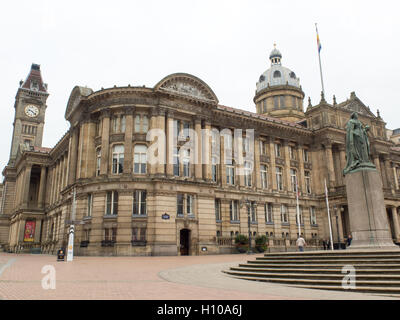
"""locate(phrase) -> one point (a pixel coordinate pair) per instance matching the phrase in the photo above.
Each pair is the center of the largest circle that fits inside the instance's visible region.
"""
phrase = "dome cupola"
(278, 91)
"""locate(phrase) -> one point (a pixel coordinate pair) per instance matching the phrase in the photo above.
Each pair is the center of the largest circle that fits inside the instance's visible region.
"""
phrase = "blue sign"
(165, 216)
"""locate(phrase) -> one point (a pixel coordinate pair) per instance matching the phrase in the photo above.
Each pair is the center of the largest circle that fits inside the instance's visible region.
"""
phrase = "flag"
(318, 43)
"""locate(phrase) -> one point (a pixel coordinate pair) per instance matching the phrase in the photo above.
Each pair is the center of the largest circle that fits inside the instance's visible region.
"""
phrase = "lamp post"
(337, 225)
(248, 205)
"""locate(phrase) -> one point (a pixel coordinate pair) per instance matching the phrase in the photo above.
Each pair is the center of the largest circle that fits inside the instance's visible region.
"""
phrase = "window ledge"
(235, 221)
(314, 225)
(110, 216)
(87, 218)
(139, 243)
(253, 222)
(139, 215)
(285, 224)
(191, 216)
(269, 223)
(218, 221)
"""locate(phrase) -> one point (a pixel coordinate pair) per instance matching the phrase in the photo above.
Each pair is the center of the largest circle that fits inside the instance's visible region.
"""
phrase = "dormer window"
(292, 75)
(277, 74)
(34, 86)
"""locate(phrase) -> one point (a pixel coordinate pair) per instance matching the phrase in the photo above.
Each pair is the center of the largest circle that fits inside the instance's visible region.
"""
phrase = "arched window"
(140, 159)
(292, 75)
(277, 74)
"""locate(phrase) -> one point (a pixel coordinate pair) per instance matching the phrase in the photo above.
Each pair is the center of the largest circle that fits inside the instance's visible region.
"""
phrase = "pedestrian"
(300, 243)
(349, 238)
(325, 244)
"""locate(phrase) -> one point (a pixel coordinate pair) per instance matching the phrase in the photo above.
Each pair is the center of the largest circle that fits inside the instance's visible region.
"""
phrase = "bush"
(241, 239)
(261, 240)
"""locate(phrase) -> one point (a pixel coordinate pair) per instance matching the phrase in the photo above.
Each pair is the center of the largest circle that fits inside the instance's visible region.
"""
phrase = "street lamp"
(248, 205)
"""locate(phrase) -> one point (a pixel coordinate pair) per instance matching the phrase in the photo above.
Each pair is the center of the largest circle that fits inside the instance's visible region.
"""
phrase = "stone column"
(170, 143)
(153, 125)
(301, 176)
(396, 180)
(26, 187)
(207, 150)
(272, 168)
(163, 145)
(377, 163)
(388, 172)
(286, 173)
(198, 167)
(42, 185)
(222, 159)
(329, 162)
(105, 142)
(256, 168)
(73, 155)
(128, 156)
(342, 156)
(395, 223)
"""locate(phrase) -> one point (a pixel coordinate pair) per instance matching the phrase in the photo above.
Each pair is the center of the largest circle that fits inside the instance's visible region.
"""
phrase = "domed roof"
(277, 75)
(275, 53)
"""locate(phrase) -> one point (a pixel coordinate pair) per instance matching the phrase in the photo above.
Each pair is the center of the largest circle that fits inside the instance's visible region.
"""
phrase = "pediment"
(188, 86)
(356, 105)
(76, 96)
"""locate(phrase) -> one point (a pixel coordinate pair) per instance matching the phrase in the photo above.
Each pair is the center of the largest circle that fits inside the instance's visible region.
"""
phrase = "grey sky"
(224, 43)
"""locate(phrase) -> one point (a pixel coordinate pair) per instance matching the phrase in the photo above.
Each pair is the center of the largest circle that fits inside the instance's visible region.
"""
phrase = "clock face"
(31, 111)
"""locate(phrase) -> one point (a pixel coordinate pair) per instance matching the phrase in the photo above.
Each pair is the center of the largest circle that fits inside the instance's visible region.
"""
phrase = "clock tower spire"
(30, 107)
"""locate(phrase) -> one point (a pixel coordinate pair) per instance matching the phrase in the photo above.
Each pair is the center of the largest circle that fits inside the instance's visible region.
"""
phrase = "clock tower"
(30, 108)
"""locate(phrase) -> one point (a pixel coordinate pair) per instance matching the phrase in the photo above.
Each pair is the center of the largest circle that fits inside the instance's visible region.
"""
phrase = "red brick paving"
(144, 278)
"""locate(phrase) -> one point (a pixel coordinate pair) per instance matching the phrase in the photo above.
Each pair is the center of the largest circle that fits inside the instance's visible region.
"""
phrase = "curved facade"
(167, 170)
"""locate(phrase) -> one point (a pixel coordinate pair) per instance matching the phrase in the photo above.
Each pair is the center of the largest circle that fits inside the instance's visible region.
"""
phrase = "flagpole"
(319, 57)
(329, 216)
(297, 208)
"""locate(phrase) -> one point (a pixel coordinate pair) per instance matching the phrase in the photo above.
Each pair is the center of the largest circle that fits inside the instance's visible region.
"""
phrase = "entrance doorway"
(184, 242)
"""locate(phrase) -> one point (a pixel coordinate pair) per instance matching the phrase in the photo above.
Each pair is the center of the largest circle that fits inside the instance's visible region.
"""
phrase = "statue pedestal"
(367, 214)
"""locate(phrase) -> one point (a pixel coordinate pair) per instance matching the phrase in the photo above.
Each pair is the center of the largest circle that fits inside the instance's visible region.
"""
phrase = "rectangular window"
(214, 169)
(176, 162)
(140, 159)
(293, 179)
(276, 102)
(110, 234)
(137, 123)
(145, 124)
(89, 205)
(138, 234)
(279, 181)
(234, 210)
(282, 102)
(217, 204)
(112, 203)
(307, 177)
(247, 174)
(118, 159)
(251, 210)
(284, 214)
(98, 161)
(292, 153)
(264, 176)
(186, 129)
(179, 205)
(230, 174)
(278, 151)
(268, 207)
(189, 205)
(300, 215)
(313, 216)
(139, 202)
(306, 155)
(186, 163)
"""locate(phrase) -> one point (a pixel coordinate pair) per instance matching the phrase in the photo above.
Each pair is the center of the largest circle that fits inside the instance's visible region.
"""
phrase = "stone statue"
(357, 146)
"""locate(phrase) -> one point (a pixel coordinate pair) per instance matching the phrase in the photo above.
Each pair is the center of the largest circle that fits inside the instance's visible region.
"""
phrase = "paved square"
(145, 278)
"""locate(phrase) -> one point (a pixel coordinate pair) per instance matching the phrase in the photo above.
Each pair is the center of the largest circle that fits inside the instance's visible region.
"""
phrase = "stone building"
(198, 199)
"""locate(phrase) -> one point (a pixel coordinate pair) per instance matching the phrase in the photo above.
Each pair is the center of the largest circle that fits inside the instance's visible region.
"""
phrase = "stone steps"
(375, 272)
(337, 270)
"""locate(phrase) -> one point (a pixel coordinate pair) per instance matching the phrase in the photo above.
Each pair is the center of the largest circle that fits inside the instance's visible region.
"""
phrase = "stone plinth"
(367, 214)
